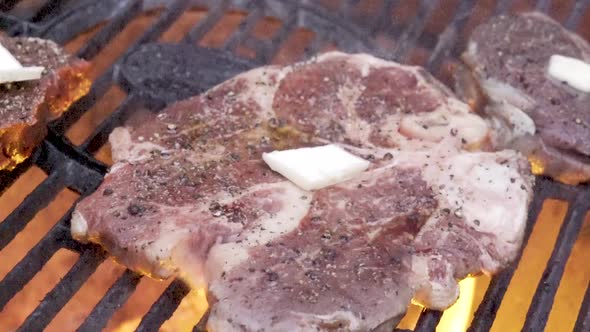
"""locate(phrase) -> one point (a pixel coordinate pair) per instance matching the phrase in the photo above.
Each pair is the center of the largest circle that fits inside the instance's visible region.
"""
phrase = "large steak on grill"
(189, 194)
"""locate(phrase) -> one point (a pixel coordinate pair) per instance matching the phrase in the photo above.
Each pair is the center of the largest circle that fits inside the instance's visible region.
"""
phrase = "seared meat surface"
(189, 194)
(531, 112)
(27, 107)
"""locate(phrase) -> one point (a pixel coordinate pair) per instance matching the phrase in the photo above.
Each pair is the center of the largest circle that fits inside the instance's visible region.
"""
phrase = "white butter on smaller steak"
(574, 72)
(316, 167)
(12, 71)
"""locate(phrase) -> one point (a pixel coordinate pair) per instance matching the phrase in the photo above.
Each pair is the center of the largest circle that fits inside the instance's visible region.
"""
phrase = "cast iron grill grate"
(74, 167)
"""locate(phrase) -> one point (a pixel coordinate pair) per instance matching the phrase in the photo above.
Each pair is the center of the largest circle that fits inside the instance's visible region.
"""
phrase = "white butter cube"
(316, 167)
(12, 71)
(574, 72)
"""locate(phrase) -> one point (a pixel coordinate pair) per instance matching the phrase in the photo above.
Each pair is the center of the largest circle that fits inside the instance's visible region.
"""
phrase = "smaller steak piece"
(27, 107)
(547, 120)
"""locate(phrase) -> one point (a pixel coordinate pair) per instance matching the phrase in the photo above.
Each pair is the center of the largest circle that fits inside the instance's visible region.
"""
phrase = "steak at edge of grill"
(26, 107)
(189, 194)
(544, 119)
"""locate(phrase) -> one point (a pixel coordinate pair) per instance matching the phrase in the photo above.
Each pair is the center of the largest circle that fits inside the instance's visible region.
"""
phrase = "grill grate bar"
(583, 321)
(28, 208)
(202, 324)
(543, 299)
(67, 287)
(486, 312)
(164, 307)
(100, 85)
(173, 11)
(35, 259)
(578, 11)
(48, 9)
(244, 29)
(129, 11)
(543, 6)
(316, 45)
(428, 320)
(98, 89)
(7, 178)
(7, 5)
(384, 16)
(502, 6)
(447, 40)
(101, 134)
(203, 26)
(113, 300)
(410, 35)
(270, 50)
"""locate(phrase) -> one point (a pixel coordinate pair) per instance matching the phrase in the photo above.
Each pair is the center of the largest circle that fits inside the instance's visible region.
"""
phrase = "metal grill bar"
(101, 134)
(129, 11)
(486, 312)
(408, 39)
(7, 5)
(583, 321)
(100, 86)
(164, 307)
(428, 320)
(7, 178)
(35, 259)
(270, 49)
(213, 16)
(573, 20)
(115, 297)
(48, 9)
(447, 40)
(55, 300)
(28, 208)
(243, 29)
(543, 300)
(543, 6)
(502, 6)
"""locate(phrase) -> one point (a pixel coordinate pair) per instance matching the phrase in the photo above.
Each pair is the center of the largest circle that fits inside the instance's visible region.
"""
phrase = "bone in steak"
(27, 107)
(189, 194)
(545, 119)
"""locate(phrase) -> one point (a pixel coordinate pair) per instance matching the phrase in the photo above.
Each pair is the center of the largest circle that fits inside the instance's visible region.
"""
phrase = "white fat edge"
(355, 126)
(314, 321)
(574, 72)
(437, 125)
(123, 147)
(263, 93)
(521, 123)
(79, 226)
(433, 294)
(500, 92)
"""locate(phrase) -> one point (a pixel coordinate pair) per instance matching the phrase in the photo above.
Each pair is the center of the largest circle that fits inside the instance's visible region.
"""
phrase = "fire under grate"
(74, 167)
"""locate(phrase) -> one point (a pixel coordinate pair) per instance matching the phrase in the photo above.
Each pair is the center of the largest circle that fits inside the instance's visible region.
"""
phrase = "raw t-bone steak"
(189, 194)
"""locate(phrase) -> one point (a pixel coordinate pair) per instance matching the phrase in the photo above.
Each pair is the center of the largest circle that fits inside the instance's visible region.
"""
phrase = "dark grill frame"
(74, 167)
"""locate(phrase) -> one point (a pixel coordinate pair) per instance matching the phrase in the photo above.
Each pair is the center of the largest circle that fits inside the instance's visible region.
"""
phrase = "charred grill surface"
(74, 167)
